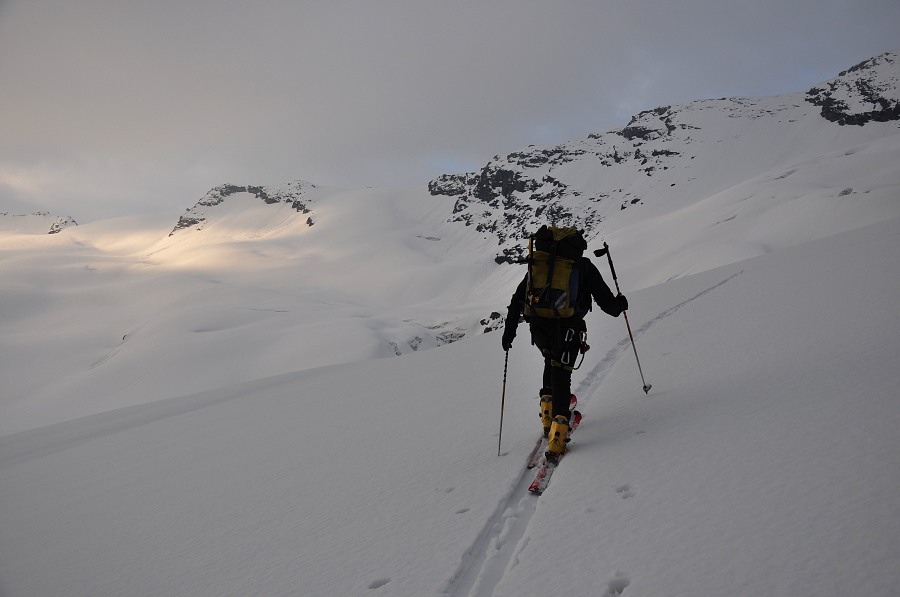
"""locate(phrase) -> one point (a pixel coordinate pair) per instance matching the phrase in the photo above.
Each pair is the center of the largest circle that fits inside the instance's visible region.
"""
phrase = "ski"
(535, 457)
(542, 478)
(576, 421)
(545, 471)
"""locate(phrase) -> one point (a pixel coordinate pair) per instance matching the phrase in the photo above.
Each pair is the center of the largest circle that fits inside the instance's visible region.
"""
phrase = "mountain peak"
(671, 154)
(292, 193)
(866, 92)
(39, 222)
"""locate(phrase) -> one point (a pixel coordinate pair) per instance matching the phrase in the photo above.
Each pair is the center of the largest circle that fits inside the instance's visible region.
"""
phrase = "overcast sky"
(117, 107)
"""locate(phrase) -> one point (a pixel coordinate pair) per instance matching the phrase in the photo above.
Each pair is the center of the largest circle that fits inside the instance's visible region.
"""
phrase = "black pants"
(559, 340)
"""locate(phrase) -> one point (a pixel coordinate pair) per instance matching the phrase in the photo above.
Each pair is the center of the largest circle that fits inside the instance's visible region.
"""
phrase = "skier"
(559, 332)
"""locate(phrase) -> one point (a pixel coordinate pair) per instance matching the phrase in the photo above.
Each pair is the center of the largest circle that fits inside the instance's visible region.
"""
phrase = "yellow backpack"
(554, 274)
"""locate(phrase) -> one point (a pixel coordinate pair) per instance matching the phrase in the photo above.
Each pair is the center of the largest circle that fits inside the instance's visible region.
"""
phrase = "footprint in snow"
(625, 491)
(617, 585)
(377, 584)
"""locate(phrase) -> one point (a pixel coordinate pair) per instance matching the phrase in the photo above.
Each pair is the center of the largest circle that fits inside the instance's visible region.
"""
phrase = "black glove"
(622, 302)
(508, 336)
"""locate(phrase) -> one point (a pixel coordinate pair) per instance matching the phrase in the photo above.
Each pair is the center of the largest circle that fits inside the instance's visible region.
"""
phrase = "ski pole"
(600, 253)
(502, 401)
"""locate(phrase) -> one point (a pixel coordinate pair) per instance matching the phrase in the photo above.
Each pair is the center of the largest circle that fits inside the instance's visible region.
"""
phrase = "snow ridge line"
(35, 443)
(503, 536)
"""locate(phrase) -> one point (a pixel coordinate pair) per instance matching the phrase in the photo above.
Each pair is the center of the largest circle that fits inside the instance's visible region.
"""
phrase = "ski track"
(34, 443)
(495, 548)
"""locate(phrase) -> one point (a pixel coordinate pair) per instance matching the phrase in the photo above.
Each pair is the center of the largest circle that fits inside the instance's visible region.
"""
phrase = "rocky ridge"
(866, 92)
(39, 222)
(293, 193)
(584, 182)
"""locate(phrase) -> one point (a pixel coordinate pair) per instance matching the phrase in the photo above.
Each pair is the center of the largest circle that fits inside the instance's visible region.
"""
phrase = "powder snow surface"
(763, 461)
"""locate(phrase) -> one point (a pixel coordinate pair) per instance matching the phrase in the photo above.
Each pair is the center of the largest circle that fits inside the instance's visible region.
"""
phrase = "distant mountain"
(293, 194)
(39, 222)
(671, 155)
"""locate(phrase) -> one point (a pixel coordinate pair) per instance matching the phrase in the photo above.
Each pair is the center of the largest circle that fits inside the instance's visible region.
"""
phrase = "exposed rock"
(860, 94)
(506, 201)
(292, 193)
(492, 322)
(38, 222)
(60, 223)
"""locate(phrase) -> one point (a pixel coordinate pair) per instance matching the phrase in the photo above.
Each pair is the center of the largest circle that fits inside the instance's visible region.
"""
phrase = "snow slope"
(764, 461)
(117, 312)
(212, 404)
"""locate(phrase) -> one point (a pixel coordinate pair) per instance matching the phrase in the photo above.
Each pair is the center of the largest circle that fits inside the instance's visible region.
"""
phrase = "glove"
(509, 327)
(508, 336)
(622, 302)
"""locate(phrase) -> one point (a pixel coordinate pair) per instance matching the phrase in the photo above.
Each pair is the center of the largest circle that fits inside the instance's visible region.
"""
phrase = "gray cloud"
(124, 106)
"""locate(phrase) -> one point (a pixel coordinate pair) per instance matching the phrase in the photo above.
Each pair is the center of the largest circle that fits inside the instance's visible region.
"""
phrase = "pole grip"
(612, 268)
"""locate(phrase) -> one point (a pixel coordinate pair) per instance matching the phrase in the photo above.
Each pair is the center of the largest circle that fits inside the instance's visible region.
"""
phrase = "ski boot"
(559, 434)
(546, 410)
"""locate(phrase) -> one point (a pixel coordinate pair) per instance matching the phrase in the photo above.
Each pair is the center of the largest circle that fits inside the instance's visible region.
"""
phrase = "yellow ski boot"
(559, 433)
(546, 410)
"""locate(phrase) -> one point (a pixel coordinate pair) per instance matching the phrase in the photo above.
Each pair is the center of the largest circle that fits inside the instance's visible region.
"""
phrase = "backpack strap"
(551, 264)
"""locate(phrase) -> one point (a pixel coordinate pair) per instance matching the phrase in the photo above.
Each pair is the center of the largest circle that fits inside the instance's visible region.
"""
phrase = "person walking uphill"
(554, 296)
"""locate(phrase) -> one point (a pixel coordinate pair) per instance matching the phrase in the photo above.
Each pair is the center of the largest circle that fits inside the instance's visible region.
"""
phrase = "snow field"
(764, 459)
